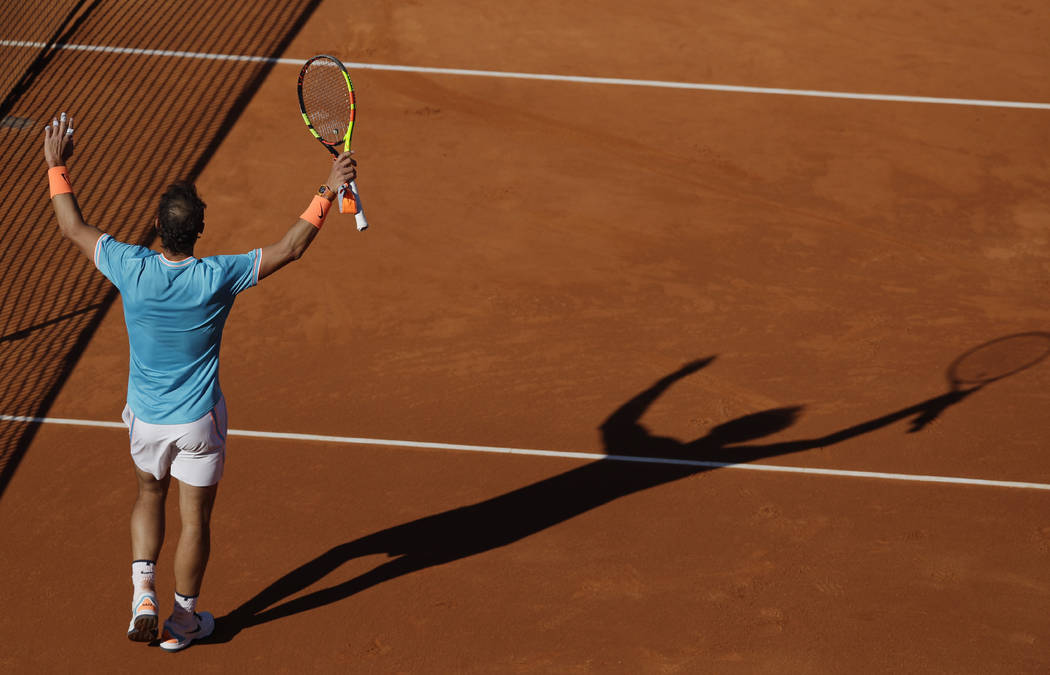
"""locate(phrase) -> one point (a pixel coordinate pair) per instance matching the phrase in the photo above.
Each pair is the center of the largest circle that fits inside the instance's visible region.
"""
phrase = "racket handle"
(362, 224)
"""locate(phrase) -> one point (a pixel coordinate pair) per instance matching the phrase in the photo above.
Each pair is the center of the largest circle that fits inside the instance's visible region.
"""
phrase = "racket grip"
(362, 223)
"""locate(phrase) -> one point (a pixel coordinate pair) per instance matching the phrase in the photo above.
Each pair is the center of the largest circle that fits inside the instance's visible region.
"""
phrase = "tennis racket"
(326, 100)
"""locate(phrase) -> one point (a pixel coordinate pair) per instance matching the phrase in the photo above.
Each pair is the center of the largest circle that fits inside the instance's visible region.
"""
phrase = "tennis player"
(175, 307)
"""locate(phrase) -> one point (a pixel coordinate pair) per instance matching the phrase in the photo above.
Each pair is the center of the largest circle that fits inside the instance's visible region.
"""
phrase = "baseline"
(352, 440)
(578, 79)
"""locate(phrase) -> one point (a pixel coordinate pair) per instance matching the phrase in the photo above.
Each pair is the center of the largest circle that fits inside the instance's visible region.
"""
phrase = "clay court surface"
(560, 266)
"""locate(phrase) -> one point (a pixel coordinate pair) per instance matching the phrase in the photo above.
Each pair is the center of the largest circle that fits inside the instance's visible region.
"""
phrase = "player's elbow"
(298, 245)
(296, 252)
(69, 228)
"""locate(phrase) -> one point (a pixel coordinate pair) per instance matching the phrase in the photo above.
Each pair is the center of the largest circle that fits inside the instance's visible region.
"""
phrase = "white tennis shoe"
(176, 637)
(143, 626)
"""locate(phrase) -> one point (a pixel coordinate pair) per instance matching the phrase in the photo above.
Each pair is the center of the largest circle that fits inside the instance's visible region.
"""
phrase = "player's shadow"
(631, 466)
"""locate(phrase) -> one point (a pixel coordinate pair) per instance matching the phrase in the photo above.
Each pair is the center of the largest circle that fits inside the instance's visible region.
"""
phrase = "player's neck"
(175, 257)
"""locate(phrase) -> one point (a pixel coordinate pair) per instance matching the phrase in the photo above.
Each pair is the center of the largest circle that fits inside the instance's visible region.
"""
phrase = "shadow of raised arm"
(621, 431)
(922, 413)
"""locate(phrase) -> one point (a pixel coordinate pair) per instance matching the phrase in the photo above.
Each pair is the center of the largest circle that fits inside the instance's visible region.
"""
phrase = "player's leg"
(191, 559)
(147, 536)
(148, 452)
(147, 516)
(191, 556)
(198, 468)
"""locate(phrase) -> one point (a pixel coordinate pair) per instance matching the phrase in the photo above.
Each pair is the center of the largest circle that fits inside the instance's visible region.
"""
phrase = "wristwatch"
(326, 192)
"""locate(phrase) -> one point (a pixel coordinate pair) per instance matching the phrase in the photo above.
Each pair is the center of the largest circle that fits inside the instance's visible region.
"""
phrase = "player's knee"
(195, 521)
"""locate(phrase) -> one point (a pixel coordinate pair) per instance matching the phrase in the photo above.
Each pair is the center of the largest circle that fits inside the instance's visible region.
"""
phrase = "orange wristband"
(58, 177)
(315, 215)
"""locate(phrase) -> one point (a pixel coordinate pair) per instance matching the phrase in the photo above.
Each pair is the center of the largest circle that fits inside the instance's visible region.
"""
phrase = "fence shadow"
(144, 121)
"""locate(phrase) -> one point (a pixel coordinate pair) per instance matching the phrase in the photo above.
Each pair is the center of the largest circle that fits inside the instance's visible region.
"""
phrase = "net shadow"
(144, 121)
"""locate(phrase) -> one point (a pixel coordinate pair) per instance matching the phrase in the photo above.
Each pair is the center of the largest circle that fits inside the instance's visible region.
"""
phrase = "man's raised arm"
(298, 238)
(58, 148)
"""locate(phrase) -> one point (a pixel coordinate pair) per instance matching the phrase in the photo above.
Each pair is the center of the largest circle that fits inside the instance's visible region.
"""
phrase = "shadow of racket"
(984, 364)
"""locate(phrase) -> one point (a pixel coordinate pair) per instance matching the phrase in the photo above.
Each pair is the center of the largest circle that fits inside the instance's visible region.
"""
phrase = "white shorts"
(195, 453)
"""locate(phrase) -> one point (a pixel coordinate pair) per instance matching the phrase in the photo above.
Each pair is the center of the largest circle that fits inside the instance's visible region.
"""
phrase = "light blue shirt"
(175, 313)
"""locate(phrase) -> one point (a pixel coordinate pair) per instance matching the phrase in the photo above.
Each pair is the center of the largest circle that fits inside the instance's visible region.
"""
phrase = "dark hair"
(180, 217)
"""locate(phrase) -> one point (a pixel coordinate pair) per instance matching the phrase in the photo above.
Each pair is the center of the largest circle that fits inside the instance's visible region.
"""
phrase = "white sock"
(185, 608)
(142, 575)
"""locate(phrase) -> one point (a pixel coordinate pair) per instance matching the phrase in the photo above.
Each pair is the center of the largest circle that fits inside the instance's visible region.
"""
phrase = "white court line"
(550, 78)
(351, 440)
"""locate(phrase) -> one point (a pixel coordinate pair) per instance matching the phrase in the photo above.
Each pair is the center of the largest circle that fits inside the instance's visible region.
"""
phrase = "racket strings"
(326, 100)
